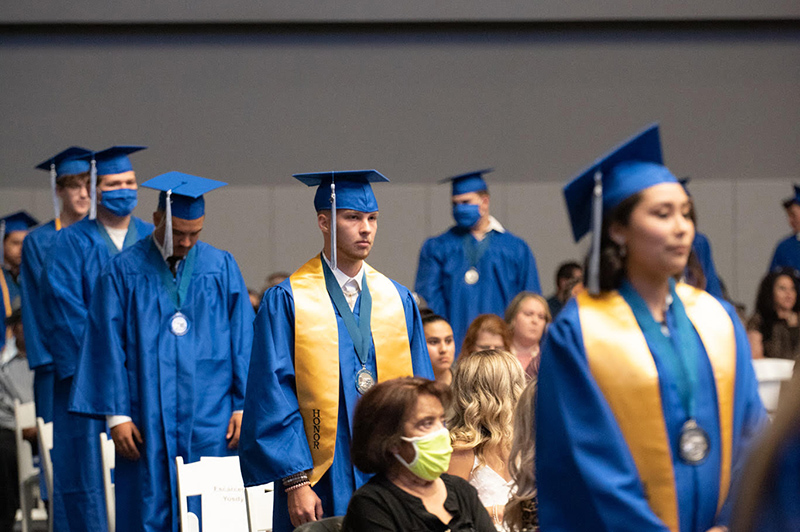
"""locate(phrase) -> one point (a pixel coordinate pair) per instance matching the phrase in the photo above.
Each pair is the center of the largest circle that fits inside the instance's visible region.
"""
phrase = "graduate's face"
(117, 181)
(355, 233)
(441, 347)
(74, 194)
(12, 248)
(474, 198)
(530, 321)
(793, 213)
(185, 233)
(659, 234)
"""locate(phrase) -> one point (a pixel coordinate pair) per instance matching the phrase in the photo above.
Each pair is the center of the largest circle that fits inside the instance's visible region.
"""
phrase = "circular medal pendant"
(693, 445)
(471, 277)
(178, 324)
(364, 380)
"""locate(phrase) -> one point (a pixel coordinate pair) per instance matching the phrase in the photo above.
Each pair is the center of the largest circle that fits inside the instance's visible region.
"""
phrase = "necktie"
(172, 262)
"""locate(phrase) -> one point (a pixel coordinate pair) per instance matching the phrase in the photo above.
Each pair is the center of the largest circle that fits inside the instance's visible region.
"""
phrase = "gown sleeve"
(32, 307)
(241, 323)
(530, 273)
(420, 359)
(273, 442)
(586, 476)
(429, 278)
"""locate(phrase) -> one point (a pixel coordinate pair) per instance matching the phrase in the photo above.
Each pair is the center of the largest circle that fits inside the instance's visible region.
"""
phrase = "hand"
(304, 506)
(126, 436)
(234, 428)
(29, 434)
(718, 529)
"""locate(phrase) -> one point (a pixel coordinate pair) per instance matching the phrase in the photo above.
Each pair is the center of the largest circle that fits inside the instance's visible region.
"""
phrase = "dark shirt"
(380, 505)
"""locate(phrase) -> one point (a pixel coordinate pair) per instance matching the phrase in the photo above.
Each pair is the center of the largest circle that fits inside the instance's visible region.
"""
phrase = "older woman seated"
(399, 434)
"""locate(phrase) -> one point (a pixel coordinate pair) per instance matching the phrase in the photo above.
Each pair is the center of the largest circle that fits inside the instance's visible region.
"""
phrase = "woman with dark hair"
(647, 399)
(399, 435)
(774, 327)
(441, 346)
(487, 331)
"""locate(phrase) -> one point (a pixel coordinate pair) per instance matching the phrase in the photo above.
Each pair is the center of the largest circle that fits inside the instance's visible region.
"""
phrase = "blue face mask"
(466, 214)
(120, 202)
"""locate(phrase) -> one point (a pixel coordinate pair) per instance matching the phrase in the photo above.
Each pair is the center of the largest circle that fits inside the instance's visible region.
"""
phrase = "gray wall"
(538, 99)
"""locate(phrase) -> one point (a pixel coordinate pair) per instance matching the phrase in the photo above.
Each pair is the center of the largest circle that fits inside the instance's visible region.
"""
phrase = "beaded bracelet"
(297, 478)
(297, 486)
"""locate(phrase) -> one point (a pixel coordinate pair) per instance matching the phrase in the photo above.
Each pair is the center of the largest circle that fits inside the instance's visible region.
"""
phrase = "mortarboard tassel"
(56, 207)
(333, 223)
(93, 190)
(597, 228)
(168, 245)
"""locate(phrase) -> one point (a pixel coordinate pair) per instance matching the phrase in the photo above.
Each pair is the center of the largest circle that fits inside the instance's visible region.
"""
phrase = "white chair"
(45, 433)
(771, 374)
(25, 417)
(218, 482)
(259, 500)
(108, 460)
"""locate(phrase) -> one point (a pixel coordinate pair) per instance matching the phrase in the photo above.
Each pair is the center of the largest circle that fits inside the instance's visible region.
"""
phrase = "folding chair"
(259, 507)
(771, 374)
(45, 433)
(107, 458)
(25, 417)
(218, 482)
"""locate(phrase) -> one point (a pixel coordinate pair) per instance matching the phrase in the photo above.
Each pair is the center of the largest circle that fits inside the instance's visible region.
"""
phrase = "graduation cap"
(18, 221)
(113, 160)
(349, 189)
(631, 167)
(469, 182)
(74, 160)
(181, 196)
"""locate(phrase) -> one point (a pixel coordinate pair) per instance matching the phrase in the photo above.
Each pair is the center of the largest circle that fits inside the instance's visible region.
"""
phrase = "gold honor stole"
(623, 367)
(316, 352)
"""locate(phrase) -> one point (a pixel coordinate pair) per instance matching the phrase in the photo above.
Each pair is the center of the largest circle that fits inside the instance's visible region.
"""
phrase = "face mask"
(120, 202)
(466, 214)
(431, 454)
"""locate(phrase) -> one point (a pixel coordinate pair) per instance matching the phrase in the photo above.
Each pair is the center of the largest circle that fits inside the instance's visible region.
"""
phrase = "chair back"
(25, 418)
(259, 507)
(45, 433)
(771, 374)
(218, 482)
(108, 461)
(329, 524)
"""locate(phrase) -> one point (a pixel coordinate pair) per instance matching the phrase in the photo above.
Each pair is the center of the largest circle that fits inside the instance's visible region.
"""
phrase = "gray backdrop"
(537, 96)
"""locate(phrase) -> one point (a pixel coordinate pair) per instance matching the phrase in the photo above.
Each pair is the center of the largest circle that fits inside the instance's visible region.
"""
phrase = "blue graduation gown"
(787, 254)
(586, 476)
(180, 391)
(73, 266)
(35, 249)
(702, 248)
(273, 443)
(506, 268)
(779, 504)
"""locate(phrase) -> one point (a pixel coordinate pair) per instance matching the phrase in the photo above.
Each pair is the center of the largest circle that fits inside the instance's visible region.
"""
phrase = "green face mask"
(431, 454)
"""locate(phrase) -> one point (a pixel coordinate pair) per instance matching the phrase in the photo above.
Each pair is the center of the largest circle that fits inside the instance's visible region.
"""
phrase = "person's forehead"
(467, 196)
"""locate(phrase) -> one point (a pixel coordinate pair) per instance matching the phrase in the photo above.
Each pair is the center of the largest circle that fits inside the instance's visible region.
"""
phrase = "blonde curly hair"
(486, 386)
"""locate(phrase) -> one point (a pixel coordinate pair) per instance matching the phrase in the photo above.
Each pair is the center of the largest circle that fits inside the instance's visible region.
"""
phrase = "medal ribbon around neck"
(474, 249)
(360, 333)
(176, 291)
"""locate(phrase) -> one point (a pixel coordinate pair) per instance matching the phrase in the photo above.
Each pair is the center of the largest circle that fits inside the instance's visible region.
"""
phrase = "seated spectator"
(487, 331)
(527, 316)
(568, 275)
(441, 346)
(521, 510)
(774, 328)
(486, 386)
(399, 435)
(274, 279)
(255, 298)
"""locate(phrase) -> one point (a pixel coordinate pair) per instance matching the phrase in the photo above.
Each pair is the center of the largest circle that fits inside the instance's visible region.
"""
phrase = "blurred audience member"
(527, 316)
(521, 510)
(441, 346)
(274, 279)
(774, 328)
(487, 331)
(568, 275)
(255, 298)
(787, 252)
(486, 386)
(399, 435)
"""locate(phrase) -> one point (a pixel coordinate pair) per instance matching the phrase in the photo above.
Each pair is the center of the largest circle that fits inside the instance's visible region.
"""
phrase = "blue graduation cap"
(74, 160)
(349, 189)
(182, 197)
(631, 167)
(469, 182)
(113, 160)
(18, 221)
(797, 193)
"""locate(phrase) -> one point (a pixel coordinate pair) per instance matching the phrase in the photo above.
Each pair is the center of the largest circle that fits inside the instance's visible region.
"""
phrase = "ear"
(617, 234)
(324, 222)
(157, 217)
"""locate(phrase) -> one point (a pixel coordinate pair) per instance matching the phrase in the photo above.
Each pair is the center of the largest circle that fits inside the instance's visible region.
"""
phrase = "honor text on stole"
(317, 421)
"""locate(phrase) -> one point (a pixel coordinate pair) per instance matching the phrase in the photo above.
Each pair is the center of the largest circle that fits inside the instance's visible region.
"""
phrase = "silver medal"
(178, 324)
(364, 380)
(693, 445)
(471, 277)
